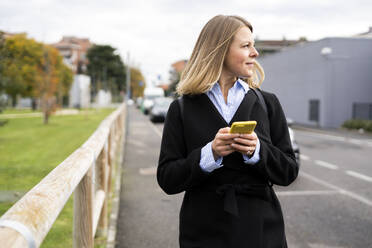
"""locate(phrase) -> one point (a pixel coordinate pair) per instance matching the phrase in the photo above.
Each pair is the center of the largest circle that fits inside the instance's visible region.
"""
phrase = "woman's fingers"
(224, 130)
(226, 136)
(243, 149)
(221, 145)
(245, 143)
(225, 142)
(251, 136)
(225, 150)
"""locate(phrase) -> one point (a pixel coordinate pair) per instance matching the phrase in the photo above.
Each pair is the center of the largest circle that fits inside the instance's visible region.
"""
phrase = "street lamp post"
(128, 78)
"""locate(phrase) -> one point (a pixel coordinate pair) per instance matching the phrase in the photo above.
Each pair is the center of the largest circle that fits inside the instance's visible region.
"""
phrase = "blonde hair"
(205, 65)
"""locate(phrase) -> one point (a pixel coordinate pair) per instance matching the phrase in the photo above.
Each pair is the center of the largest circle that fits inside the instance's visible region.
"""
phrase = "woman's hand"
(221, 145)
(245, 143)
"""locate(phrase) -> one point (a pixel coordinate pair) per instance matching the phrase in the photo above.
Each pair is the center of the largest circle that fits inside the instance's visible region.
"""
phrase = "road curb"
(112, 228)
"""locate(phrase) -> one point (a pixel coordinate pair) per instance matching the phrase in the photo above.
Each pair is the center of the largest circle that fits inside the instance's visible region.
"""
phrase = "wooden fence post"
(104, 167)
(83, 215)
(39, 208)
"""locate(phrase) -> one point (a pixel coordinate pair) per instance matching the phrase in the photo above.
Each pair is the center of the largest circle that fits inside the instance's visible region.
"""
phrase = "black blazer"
(233, 206)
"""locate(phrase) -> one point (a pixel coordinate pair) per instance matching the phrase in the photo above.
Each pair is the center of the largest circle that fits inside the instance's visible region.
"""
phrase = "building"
(322, 83)
(74, 52)
(367, 34)
(267, 47)
(79, 96)
(176, 70)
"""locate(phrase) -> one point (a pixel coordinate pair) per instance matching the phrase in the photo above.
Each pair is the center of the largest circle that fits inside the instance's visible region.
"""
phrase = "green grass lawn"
(29, 150)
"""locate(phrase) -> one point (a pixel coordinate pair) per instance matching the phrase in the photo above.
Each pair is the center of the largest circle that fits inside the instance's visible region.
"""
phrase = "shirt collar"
(243, 84)
(238, 83)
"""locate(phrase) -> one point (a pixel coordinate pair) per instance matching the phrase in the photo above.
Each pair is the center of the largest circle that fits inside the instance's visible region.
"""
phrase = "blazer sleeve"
(177, 171)
(277, 163)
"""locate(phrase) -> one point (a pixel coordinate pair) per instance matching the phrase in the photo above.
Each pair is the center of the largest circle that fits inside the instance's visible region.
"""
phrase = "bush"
(369, 126)
(358, 124)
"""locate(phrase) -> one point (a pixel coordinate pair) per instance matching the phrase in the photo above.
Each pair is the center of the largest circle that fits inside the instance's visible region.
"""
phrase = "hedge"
(358, 124)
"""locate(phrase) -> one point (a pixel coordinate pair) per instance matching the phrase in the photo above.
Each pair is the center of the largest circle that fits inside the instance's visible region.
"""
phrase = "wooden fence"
(86, 172)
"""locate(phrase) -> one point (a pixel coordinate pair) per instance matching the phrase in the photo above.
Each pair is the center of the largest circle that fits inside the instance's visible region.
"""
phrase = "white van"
(149, 95)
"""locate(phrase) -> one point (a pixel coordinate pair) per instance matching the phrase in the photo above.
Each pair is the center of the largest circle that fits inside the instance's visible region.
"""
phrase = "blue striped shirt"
(227, 110)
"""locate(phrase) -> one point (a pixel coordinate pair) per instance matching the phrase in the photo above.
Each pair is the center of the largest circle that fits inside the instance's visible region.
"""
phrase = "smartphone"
(245, 127)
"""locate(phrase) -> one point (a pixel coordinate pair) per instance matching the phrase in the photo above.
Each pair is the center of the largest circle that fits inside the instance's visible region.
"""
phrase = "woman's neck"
(226, 82)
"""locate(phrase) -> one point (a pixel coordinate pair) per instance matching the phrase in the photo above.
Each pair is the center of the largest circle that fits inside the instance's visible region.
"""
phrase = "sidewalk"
(147, 216)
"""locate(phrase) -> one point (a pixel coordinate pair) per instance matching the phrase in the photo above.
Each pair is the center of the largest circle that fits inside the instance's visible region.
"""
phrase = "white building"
(103, 98)
(80, 92)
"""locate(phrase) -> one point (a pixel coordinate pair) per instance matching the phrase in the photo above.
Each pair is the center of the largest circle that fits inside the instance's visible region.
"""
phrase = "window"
(314, 110)
(362, 111)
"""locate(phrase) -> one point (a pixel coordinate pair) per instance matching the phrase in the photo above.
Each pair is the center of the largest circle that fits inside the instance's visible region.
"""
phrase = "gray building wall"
(337, 79)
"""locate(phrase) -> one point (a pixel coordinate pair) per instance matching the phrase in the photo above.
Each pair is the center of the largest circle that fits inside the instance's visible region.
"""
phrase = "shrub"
(369, 126)
(358, 124)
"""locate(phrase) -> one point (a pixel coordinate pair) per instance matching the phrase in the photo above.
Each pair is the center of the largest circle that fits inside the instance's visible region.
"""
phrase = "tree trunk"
(46, 117)
(14, 101)
(33, 104)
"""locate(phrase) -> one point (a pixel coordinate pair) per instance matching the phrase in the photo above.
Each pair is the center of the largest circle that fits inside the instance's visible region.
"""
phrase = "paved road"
(147, 216)
(328, 206)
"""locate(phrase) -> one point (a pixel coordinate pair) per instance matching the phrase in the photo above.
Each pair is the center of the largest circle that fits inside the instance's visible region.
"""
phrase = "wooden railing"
(87, 173)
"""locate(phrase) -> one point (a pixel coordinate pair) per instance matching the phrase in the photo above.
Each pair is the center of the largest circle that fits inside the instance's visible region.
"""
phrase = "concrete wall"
(351, 77)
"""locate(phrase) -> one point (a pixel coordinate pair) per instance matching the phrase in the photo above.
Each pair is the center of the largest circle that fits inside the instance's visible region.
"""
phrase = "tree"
(21, 59)
(106, 69)
(66, 77)
(3, 55)
(137, 82)
(54, 81)
(32, 69)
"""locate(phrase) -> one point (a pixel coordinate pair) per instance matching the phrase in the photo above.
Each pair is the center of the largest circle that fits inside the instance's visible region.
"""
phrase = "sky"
(157, 33)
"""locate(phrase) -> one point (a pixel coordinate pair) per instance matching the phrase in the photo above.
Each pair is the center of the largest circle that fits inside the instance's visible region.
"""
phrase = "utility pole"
(128, 78)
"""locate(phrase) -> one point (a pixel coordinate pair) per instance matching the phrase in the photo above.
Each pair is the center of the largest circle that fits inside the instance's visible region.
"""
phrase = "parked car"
(295, 146)
(159, 110)
(139, 102)
(149, 95)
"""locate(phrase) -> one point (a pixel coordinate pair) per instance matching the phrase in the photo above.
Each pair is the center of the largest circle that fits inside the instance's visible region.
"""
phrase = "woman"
(227, 178)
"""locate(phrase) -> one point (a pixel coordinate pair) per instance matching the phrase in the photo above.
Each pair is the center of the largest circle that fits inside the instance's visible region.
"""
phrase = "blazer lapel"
(214, 109)
(243, 113)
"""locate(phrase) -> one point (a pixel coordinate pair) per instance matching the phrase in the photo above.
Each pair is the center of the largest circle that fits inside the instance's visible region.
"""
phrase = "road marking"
(328, 136)
(357, 142)
(358, 175)
(367, 142)
(326, 165)
(155, 129)
(319, 245)
(304, 157)
(340, 190)
(307, 192)
(148, 171)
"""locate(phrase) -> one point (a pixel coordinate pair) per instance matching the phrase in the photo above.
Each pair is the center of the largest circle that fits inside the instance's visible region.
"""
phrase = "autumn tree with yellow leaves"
(137, 82)
(32, 69)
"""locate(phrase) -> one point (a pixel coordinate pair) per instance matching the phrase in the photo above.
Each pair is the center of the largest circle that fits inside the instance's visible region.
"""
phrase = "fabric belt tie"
(229, 192)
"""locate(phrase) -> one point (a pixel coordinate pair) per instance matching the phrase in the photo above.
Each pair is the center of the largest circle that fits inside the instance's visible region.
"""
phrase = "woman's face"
(241, 54)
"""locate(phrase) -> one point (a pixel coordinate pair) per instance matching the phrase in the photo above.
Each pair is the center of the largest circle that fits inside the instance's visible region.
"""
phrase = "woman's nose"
(254, 53)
